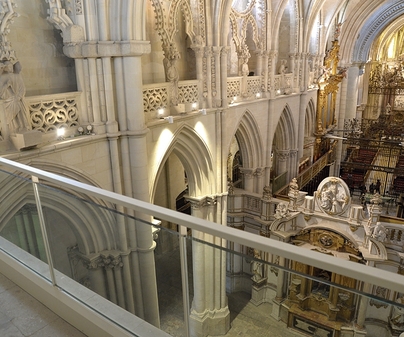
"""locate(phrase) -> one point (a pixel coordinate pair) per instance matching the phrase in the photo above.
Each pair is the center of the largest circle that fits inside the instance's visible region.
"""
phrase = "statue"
(379, 232)
(257, 268)
(281, 211)
(12, 91)
(267, 194)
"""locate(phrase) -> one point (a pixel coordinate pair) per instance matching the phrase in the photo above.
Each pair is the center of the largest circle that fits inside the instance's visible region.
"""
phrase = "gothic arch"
(92, 225)
(196, 158)
(285, 135)
(310, 119)
(375, 19)
(249, 140)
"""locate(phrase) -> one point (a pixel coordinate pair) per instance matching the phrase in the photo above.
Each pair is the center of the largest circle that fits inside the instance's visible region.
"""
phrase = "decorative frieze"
(49, 115)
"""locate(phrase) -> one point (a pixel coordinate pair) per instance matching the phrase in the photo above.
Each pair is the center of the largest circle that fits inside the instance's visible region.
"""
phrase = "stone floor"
(21, 315)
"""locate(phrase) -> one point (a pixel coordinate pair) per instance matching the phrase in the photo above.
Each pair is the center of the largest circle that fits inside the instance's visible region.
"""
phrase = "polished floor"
(21, 315)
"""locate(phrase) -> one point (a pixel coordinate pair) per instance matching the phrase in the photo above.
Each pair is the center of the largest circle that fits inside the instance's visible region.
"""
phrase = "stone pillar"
(216, 77)
(282, 157)
(273, 55)
(248, 174)
(141, 241)
(265, 72)
(301, 125)
(293, 163)
(260, 54)
(223, 71)
(209, 313)
(352, 92)
(340, 122)
(96, 275)
(276, 305)
(363, 304)
(198, 50)
(210, 93)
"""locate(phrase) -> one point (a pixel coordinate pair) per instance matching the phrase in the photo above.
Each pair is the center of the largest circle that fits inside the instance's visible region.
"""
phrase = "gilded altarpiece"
(312, 302)
(328, 84)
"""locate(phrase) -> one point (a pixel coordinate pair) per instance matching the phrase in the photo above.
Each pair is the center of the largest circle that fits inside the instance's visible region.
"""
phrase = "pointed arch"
(285, 134)
(250, 141)
(310, 119)
(92, 225)
(196, 158)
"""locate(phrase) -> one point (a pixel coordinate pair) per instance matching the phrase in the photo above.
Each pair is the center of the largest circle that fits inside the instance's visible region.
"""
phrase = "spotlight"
(160, 113)
(61, 133)
(202, 112)
(80, 130)
(89, 129)
(194, 106)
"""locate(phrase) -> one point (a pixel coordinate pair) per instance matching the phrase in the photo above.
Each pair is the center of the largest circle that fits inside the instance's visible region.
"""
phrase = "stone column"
(209, 313)
(352, 92)
(260, 54)
(276, 305)
(340, 122)
(223, 70)
(198, 50)
(216, 77)
(96, 275)
(293, 164)
(273, 55)
(210, 93)
(282, 157)
(363, 304)
(248, 174)
(301, 125)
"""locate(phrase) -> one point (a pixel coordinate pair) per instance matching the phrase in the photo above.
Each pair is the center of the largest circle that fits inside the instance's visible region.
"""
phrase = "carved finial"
(7, 15)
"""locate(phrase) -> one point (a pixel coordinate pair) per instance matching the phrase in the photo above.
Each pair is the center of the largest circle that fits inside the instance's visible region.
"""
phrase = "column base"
(215, 322)
(258, 292)
(276, 309)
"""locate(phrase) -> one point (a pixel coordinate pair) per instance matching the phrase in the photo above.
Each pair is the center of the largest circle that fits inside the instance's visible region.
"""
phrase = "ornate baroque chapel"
(282, 118)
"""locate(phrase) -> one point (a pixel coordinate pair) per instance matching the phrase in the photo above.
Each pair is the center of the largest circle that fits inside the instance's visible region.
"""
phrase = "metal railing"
(369, 275)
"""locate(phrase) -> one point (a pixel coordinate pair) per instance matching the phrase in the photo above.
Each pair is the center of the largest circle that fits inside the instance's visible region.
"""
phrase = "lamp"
(202, 112)
(61, 133)
(194, 106)
(170, 119)
(80, 130)
(160, 113)
(89, 129)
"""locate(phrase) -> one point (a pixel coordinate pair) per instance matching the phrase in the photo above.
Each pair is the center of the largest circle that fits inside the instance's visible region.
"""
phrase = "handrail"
(360, 272)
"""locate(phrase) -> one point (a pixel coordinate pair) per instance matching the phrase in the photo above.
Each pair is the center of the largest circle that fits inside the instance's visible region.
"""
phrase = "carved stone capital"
(247, 172)
(282, 155)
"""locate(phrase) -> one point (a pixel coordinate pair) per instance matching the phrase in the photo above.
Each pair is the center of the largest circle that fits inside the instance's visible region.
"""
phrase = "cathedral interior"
(281, 118)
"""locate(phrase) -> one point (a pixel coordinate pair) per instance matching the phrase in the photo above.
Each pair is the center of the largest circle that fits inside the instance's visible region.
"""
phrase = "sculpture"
(12, 91)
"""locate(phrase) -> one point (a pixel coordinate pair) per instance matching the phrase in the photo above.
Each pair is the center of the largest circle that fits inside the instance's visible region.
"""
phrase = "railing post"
(184, 277)
(35, 181)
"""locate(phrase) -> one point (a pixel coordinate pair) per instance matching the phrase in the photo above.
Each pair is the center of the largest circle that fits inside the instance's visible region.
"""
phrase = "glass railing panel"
(269, 295)
(117, 255)
(19, 222)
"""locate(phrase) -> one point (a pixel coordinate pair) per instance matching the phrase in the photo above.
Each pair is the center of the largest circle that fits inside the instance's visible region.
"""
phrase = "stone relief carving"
(12, 92)
(281, 211)
(6, 18)
(71, 33)
(332, 196)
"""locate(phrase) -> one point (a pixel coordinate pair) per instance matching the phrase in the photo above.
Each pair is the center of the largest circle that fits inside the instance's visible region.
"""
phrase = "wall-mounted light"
(61, 133)
(194, 106)
(160, 113)
(202, 112)
(89, 129)
(80, 130)
(258, 95)
(169, 119)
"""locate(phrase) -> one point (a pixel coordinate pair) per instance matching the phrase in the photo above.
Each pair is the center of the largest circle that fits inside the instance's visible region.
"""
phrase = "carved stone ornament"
(332, 196)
